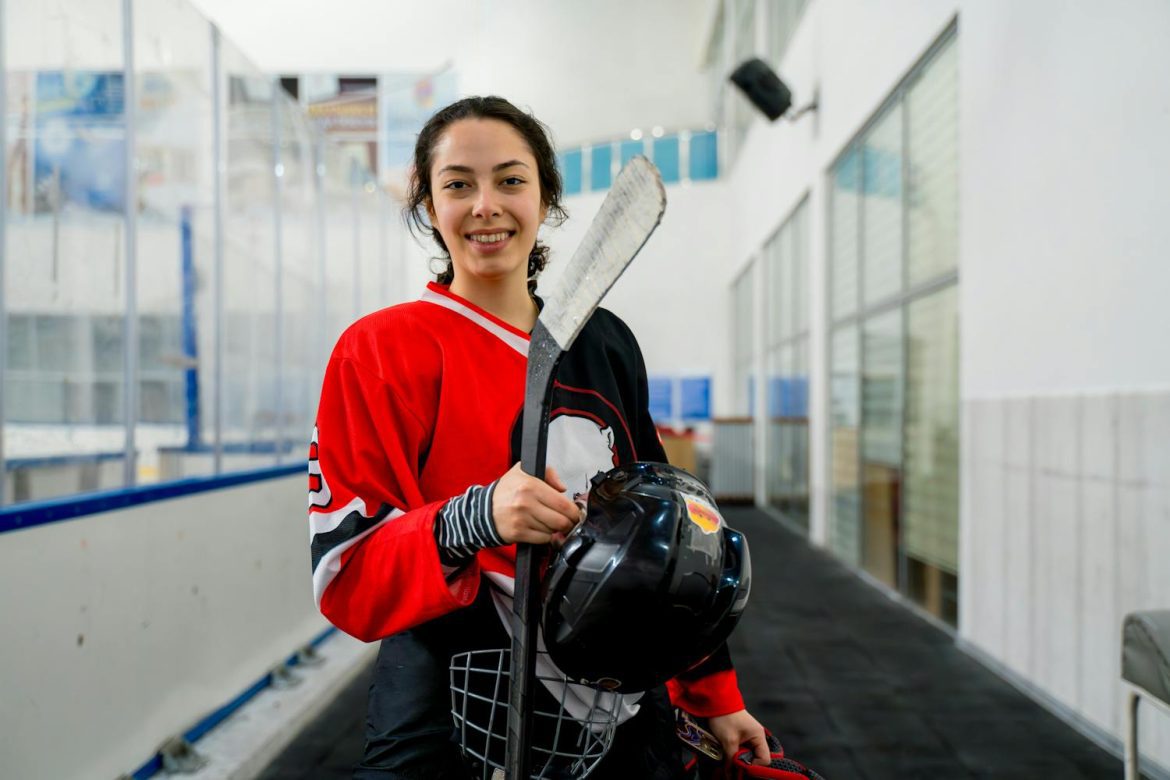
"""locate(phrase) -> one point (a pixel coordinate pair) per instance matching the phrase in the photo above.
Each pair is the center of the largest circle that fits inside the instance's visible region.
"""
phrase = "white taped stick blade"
(628, 215)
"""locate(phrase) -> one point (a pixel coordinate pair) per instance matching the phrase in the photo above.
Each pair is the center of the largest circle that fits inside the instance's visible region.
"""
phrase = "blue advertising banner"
(787, 396)
(661, 398)
(695, 398)
(80, 148)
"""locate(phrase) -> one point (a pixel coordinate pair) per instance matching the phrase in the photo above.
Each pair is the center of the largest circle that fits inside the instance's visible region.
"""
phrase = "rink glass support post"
(3, 250)
(355, 185)
(217, 168)
(278, 259)
(190, 333)
(130, 213)
(321, 339)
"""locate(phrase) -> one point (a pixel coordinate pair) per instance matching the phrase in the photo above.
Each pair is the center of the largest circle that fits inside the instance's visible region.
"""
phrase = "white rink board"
(123, 628)
(1082, 485)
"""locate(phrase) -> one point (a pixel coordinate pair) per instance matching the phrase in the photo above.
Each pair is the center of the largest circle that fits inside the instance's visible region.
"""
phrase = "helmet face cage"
(563, 746)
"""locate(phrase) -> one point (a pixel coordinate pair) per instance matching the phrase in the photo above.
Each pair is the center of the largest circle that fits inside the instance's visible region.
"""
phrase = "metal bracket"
(180, 757)
(281, 677)
(308, 656)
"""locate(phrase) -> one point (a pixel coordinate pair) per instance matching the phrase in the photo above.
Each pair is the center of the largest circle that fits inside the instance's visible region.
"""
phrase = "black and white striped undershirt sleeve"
(465, 526)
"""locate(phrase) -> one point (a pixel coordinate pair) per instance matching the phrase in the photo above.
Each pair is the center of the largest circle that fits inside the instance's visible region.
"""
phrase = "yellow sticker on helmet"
(703, 515)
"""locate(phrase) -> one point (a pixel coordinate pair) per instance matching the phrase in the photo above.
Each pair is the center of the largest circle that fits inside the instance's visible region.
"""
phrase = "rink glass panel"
(176, 234)
(69, 260)
(303, 323)
(250, 265)
(65, 163)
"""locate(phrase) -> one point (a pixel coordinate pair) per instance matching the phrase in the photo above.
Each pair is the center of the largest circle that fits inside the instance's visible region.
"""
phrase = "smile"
(489, 238)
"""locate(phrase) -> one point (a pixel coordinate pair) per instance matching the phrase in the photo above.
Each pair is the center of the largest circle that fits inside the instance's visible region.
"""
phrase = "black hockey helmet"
(651, 582)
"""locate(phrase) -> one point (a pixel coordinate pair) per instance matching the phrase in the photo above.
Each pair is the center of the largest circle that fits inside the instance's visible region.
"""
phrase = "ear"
(430, 207)
(543, 211)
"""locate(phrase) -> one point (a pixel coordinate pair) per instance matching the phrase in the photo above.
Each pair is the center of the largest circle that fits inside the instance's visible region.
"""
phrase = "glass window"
(800, 272)
(600, 163)
(55, 336)
(787, 262)
(20, 342)
(881, 442)
(65, 174)
(703, 156)
(107, 341)
(631, 149)
(881, 208)
(932, 431)
(844, 433)
(341, 252)
(844, 222)
(571, 171)
(932, 108)
(777, 289)
(250, 263)
(787, 429)
(666, 150)
(743, 348)
(283, 306)
(903, 305)
(304, 351)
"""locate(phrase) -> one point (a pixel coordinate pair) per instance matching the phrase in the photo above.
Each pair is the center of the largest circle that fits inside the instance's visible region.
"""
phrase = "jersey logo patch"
(586, 435)
(319, 493)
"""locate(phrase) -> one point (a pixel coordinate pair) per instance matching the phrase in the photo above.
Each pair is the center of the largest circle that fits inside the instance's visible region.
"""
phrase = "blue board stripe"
(22, 516)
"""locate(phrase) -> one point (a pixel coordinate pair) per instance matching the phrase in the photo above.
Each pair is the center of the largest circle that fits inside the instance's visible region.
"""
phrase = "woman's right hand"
(526, 509)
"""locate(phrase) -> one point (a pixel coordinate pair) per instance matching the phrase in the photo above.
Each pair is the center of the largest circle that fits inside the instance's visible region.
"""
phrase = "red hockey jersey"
(424, 399)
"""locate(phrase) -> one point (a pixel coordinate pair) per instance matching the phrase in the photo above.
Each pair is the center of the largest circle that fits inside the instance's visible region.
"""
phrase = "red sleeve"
(708, 697)
(376, 565)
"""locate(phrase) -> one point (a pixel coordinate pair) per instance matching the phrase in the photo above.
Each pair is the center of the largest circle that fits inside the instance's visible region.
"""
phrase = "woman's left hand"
(740, 728)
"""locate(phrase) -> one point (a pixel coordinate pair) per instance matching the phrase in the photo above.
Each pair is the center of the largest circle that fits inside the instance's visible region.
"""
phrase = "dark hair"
(534, 133)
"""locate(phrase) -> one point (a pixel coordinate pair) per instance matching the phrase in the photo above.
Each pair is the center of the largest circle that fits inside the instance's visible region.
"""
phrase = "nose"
(486, 204)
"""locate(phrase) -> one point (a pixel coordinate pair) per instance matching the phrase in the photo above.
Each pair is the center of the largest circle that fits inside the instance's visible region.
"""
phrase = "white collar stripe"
(514, 341)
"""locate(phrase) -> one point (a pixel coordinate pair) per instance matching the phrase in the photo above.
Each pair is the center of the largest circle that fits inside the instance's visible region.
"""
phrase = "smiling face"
(485, 202)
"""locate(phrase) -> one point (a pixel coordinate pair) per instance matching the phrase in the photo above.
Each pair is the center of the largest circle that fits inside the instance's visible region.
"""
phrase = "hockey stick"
(630, 213)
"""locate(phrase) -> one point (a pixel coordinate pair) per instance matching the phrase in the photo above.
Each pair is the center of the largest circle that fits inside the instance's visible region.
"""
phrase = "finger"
(557, 501)
(552, 520)
(554, 479)
(759, 746)
(527, 493)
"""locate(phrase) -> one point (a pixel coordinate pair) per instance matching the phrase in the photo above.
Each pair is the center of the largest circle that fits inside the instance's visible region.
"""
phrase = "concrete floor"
(853, 684)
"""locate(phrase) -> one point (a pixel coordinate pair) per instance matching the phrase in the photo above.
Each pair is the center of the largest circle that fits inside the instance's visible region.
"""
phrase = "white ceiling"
(589, 69)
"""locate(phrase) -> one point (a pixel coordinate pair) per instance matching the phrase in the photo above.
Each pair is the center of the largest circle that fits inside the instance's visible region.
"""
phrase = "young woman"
(416, 495)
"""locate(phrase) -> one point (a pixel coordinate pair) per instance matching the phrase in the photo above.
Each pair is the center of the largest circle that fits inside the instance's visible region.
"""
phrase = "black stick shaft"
(544, 354)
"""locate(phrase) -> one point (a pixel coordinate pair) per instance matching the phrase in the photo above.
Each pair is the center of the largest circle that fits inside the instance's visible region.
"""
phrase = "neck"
(502, 298)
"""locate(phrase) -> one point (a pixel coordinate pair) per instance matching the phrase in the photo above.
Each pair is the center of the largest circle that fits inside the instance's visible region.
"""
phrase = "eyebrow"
(496, 168)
